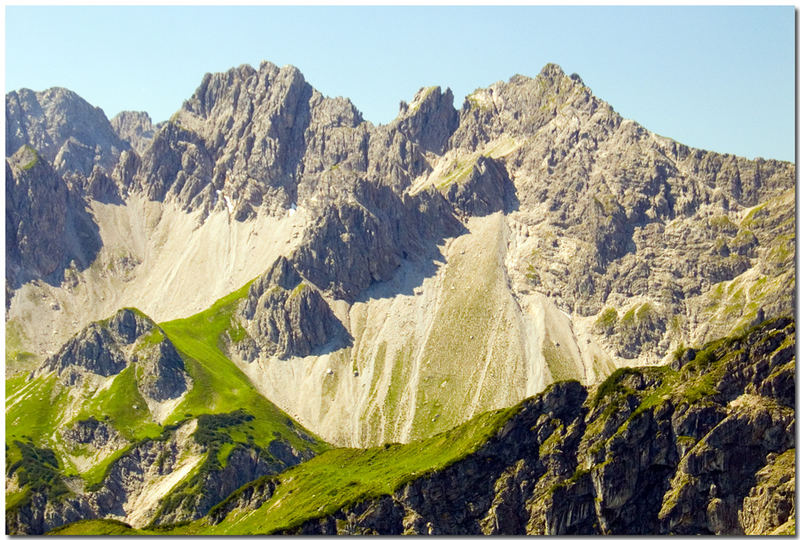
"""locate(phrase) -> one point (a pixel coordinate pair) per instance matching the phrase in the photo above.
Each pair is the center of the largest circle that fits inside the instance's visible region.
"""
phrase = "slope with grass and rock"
(141, 423)
(374, 284)
(704, 445)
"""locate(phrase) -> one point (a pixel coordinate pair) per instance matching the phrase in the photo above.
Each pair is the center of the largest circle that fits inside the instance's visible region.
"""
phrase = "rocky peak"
(44, 217)
(130, 324)
(485, 189)
(107, 347)
(550, 71)
(70, 133)
(286, 316)
(283, 274)
(134, 127)
(429, 119)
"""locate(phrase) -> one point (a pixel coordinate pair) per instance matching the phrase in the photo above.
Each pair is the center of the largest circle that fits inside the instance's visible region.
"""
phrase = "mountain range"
(196, 308)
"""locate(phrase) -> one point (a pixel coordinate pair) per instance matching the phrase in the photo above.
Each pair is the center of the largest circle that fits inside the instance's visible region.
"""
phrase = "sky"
(718, 78)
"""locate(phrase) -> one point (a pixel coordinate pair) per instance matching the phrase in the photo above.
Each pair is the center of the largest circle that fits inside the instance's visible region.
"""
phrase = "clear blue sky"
(720, 78)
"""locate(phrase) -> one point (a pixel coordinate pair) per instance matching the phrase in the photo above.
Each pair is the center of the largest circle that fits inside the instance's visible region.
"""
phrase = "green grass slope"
(38, 410)
(340, 477)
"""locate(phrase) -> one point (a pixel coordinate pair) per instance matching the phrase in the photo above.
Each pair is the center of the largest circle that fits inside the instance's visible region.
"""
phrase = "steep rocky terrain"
(84, 435)
(68, 132)
(377, 285)
(704, 445)
(136, 128)
(595, 242)
(48, 226)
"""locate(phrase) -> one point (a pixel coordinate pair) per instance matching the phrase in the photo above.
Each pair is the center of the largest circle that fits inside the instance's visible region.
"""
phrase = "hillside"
(141, 423)
(702, 446)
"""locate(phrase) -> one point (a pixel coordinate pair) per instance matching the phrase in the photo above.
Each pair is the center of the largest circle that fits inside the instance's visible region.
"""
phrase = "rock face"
(48, 228)
(485, 190)
(136, 128)
(67, 131)
(95, 433)
(107, 347)
(364, 238)
(430, 119)
(688, 449)
(287, 316)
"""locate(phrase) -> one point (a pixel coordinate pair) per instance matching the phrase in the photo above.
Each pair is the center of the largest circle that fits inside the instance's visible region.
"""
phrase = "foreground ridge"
(703, 446)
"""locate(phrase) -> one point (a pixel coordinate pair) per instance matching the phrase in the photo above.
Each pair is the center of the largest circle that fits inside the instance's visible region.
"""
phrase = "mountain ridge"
(375, 284)
(587, 198)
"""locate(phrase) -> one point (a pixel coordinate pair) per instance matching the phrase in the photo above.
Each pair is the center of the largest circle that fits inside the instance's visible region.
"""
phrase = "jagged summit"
(73, 135)
(136, 128)
(595, 243)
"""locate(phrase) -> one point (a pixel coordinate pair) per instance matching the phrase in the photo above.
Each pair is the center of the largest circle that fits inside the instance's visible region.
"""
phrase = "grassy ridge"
(338, 478)
(94, 527)
(343, 476)
(218, 385)
(37, 409)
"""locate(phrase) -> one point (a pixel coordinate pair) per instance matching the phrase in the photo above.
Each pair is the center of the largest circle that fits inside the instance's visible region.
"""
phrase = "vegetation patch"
(458, 172)
(561, 366)
(606, 320)
(341, 477)
(97, 527)
(36, 470)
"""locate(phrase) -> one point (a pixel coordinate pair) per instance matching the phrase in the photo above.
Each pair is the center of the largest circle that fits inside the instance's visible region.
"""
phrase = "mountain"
(136, 128)
(704, 445)
(71, 134)
(304, 271)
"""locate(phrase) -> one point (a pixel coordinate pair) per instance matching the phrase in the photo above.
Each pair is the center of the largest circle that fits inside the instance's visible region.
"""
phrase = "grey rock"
(430, 119)
(68, 132)
(134, 127)
(363, 239)
(287, 316)
(48, 227)
(486, 189)
(107, 347)
(163, 375)
(94, 433)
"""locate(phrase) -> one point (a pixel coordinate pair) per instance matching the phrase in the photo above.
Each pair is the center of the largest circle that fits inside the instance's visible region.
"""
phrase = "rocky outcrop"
(107, 347)
(214, 484)
(771, 502)
(286, 316)
(162, 376)
(364, 238)
(48, 227)
(248, 497)
(42, 513)
(688, 449)
(136, 128)
(92, 432)
(66, 130)
(430, 119)
(485, 189)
